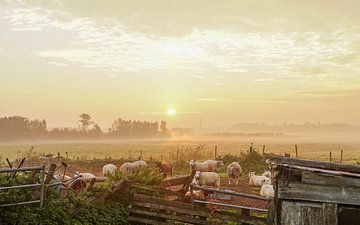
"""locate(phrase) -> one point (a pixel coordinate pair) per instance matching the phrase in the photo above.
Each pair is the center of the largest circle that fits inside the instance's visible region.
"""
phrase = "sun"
(171, 112)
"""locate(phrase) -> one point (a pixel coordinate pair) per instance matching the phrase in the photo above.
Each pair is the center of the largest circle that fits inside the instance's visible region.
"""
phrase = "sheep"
(207, 179)
(61, 177)
(108, 169)
(267, 190)
(128, 167)
(138, 164)
(267, 174)
(234, 171)
(165, 168)
(257, 180)
(85, 176)
(206, 166)
(197, 195)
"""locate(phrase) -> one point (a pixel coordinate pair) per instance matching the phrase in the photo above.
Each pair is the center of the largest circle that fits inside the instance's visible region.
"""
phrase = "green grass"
(166, 150)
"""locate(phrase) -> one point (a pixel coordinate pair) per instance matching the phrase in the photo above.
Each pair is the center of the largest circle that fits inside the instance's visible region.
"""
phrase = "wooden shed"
(315, 193)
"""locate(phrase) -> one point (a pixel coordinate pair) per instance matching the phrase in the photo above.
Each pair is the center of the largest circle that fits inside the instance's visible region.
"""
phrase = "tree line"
(13, 128)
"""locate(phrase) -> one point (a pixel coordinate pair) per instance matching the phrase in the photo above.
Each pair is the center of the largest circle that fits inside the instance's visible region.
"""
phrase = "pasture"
(172, 150)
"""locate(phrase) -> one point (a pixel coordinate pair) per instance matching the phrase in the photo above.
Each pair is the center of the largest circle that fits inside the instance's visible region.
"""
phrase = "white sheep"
(61, 177)
(234, 171)
(267, 190)
(125, 167)
(267, 174)
(108, 169)
(206, 166)
(207, 179)
(85, 176)
(257, 180)
(128, 167)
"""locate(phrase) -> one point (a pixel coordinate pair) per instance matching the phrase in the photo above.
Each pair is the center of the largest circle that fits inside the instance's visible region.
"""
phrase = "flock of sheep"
(206, 175)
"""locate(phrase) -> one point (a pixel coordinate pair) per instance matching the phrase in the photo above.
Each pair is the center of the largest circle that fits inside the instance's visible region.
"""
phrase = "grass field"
(167, 150)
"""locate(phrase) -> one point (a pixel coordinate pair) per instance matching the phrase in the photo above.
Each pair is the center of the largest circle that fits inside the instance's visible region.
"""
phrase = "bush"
(74, 209)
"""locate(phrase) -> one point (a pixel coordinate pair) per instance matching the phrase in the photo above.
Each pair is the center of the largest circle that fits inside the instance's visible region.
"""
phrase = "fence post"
(215, 152)
(50, 173)
(341, 156)
(296, 151)
(330, 157)
(42, 185)
(251, 147)
(263, 149)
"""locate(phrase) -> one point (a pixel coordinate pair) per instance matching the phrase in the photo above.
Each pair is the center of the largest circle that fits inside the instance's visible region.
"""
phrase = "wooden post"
(177, 153)
(67, 155)
(215, 152)
(330, 157)
(341, 156)
(296, 151)
(263, 149)
(50, 173)
(140, 154)
(251, 147)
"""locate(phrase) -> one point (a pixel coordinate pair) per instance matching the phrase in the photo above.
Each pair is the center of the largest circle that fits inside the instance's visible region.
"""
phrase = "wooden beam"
(319, 193)
(314, 164)
(328, 179)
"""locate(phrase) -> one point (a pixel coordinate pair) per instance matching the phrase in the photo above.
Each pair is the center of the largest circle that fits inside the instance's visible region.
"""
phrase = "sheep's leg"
(237, 181)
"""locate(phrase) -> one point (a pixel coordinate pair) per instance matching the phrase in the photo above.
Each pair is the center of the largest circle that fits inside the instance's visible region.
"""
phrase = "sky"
(220, 61)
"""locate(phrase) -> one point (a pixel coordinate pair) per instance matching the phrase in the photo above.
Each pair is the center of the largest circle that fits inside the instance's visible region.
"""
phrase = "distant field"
(168, 150)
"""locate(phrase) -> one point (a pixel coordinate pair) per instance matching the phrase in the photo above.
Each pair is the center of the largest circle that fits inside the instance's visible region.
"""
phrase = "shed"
(315, 193)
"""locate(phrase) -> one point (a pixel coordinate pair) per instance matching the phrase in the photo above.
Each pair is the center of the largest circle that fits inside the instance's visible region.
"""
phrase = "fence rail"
(192, 187)
(40, 169)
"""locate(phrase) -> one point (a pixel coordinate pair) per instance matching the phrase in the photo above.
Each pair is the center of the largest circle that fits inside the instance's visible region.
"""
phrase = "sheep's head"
(197, 175)
(236, 171)
(267, 181)
(219, 163)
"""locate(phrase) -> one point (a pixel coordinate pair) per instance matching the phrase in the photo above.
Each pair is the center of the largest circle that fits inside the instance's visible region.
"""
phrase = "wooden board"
(327, 179)
(161, 208)
(319, 193)
(308, 213)
(313, 164)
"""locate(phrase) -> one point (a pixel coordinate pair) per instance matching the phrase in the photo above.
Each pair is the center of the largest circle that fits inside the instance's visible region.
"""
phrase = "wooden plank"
(222, 216)
(320, 193)
(330, 214)
(175, 181)
(185, 208)
(145, 221)
(314, 164)
(328, 179)
(301, 213)
(160, 201)
(168, 216)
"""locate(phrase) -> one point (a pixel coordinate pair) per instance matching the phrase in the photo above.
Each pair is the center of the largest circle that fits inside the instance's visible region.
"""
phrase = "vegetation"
(75, 208)
(15, 128)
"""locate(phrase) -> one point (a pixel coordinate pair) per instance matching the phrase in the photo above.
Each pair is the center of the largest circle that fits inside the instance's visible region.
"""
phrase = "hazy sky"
(223, 61)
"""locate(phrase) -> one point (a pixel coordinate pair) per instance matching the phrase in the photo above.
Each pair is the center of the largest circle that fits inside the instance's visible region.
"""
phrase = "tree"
(85, 121)
(163, 126)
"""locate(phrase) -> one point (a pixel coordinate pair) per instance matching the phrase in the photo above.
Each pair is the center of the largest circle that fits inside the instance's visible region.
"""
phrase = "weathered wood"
(314, 164)
(330, 214)
(145, 221)
(327, 179)
(300, 213)
(175, 181)
(188, 182)
(320, 193)
(311, 169)
(50, 173)
(168, 216)
(185, 208)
